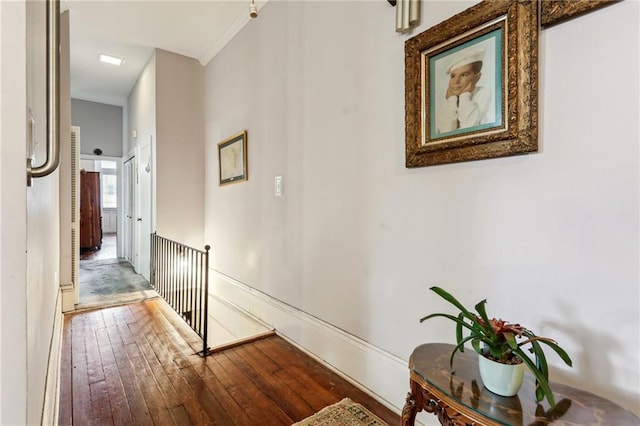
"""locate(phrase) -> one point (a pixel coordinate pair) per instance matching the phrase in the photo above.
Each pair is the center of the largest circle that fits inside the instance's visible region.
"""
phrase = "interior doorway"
(99, 208)
(105, 277)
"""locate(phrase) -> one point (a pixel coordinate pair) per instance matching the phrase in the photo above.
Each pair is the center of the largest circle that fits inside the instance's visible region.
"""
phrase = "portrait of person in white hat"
(465, 103)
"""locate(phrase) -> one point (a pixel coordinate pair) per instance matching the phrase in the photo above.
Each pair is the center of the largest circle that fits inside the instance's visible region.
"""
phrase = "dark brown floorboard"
(136, 365)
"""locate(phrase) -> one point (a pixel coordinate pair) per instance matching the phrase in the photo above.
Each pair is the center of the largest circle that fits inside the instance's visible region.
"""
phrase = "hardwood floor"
(136, 364)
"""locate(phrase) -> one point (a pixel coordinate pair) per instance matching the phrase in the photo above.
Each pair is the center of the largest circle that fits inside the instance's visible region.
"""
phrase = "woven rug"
(343, 413)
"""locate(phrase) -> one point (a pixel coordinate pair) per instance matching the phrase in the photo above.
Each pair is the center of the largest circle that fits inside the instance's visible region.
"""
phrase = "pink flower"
(500, 326)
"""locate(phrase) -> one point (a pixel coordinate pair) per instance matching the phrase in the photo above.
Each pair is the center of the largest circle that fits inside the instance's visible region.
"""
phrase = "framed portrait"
(232, 159)
(471, 85)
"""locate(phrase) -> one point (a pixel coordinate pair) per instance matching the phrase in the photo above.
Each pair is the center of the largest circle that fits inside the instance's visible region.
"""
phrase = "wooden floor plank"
(157, 391)
(81, 394)
(196, 413)
(136, 365)
(180, 415)
(312, 394)
(131, 386)
(143, 335)
(100, 407)
(148, 387)
(211, 406)
(233, 410)
(287, 399)
(120, 411)
(94, 363)
(257, 404)
(314, 391)
(97, 319)
(164, 324)
(303, 366)
(166, 368)
(188, 340)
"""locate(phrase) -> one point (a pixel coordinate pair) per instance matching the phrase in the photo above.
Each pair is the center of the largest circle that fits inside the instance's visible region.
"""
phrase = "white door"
(129, 210)
(144, 206)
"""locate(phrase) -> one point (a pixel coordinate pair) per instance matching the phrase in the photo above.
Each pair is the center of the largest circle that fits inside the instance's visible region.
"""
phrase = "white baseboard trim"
(379, 373)
(51, 401)
(68, 297)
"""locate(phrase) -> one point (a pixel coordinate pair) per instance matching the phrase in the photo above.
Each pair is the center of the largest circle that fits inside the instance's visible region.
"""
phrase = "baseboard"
(379, 373)
(52, 385)
(68, 297)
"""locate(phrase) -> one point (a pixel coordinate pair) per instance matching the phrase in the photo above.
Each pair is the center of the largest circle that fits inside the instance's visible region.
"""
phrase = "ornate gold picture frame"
(471, 86)
(554, 12)
(232, 159)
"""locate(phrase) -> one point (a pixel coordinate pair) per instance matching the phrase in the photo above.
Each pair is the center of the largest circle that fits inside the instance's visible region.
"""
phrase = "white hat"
(465, 57)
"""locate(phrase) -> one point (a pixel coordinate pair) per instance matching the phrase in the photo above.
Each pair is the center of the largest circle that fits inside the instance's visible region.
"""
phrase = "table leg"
(409, 411)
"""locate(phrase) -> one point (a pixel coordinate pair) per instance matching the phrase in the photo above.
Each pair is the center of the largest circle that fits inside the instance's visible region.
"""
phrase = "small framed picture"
(232, 159)
(471, 85)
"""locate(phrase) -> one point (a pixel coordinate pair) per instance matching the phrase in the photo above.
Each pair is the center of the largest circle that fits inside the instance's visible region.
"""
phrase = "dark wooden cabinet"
(90, 213)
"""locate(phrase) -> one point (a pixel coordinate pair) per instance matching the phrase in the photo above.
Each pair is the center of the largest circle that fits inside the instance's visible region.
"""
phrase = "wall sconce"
(407, 14)
(253, 10)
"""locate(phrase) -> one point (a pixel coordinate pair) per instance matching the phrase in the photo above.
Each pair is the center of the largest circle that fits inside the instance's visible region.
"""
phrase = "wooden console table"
(461, 399)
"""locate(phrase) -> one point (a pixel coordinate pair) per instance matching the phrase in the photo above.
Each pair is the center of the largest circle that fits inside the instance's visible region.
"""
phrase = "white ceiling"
(132, 29)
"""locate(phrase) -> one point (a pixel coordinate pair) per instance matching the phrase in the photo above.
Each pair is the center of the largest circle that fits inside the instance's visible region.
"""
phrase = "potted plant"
(502, 342)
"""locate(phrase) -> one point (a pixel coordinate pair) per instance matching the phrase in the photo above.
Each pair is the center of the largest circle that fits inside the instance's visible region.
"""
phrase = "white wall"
(13, 210)
(29, 227)
(101, 127)
(179, 148)
(550, 239)
(141, 109)
(166, 106)
(141, 106)
(43, 232)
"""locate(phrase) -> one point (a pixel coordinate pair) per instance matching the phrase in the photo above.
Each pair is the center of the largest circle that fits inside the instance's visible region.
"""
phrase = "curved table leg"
(409, 411)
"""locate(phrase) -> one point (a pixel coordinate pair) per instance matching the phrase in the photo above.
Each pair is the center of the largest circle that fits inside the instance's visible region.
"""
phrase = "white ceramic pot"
(501, 379)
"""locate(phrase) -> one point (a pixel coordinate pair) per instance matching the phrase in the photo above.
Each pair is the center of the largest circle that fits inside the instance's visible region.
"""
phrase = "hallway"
(136, 364)
(106, 280)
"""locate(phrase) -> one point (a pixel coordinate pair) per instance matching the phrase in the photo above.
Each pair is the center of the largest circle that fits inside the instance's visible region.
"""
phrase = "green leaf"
(459, 347)
(449, 316)
(541, 359)
(449, 298)
(476, 345)
(459, 331)
(563, 355)
(480, 307)
(542, 385)
(511, 339)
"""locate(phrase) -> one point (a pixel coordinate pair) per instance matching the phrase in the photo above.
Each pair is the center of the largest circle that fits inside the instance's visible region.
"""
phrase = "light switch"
(278, 186)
